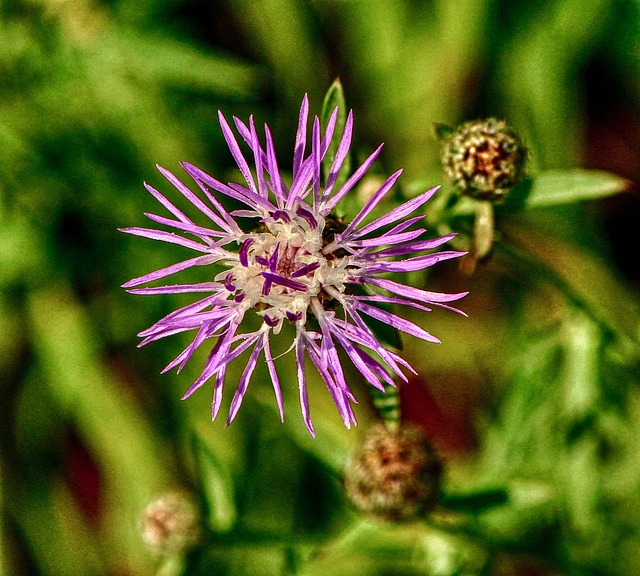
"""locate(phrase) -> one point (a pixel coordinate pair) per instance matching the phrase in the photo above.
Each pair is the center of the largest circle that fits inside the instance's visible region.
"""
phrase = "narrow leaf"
(217, 487)
(554, 188)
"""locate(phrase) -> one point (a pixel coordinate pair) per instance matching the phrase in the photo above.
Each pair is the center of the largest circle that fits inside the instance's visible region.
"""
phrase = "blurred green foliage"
(93, 94)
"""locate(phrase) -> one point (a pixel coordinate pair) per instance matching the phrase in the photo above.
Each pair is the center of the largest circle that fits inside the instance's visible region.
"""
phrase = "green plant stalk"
(115, 430)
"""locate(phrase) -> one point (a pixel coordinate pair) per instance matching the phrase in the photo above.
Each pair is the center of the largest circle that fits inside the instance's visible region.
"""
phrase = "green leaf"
(216, 485)
(554, 188)
(333, 99)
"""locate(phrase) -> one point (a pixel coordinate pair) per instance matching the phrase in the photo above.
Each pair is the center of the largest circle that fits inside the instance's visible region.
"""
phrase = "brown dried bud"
(171, 523)
(395, 475)
(483, 158)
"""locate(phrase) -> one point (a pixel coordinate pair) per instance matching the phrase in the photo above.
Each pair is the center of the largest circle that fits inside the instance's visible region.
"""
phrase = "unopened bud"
(395, 475)
(171, 523)
(483, 158)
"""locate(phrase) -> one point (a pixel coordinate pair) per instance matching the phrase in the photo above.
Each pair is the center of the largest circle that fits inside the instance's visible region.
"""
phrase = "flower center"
(280, 268)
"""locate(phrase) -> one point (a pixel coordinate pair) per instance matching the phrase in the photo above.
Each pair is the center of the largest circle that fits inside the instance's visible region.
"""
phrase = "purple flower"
(298, 264)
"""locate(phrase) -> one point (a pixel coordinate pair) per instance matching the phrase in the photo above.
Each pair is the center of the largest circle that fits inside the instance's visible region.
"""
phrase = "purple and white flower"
(297, 264)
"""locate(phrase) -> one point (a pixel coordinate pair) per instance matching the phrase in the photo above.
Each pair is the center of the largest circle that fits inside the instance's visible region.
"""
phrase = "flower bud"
(483, 158)
(171, 523)
(395, 475)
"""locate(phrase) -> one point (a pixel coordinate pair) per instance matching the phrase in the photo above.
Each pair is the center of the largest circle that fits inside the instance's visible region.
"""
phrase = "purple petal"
(412, 247)
(211, 365)
(355, 356)
(213, 320)
(251, 197)
(249, 339)
(165, 237)
(383, 240)
(402, 226)
(273, 259)
(191, 197)
(234, 191)
(187, 227)
(174, 268)
(317, 160)
(218, 388)
(307, 269)
(230, 223)
(301, 136)
(236, 153)
(266, 287)
(362, 334)
(244, 250)
(391, 300)
(397, 213)
(214, 326)
(397, 322)
(340, 393)
(308, 216)
(281, 215)
(372, 203)
(294, 317)
(329, 354)
(278, 186)
(302, 383)
(244, 380)
(274, 375)
(177, 288)
(194, 307)
(214, 301)
(377, 368)
(167, 204)
(415, 293)
(246, 214)
(244, 131)
(272, 322)
(412, 264)
(259, 158)
(208, 321)
(371, 369)
(288, 283)
(328, 133)
(352, 352)
(186, 354)
(327, 206)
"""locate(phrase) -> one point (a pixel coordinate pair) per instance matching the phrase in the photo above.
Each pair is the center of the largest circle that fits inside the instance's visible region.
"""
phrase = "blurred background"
(532, 401)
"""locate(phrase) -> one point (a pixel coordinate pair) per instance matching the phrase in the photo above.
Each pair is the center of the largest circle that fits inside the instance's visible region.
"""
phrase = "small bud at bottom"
(395, 475)
(171, 523)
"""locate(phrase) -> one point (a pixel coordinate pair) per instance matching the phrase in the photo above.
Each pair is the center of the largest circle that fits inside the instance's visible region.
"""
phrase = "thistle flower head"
(294, 263)
(483, 158)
